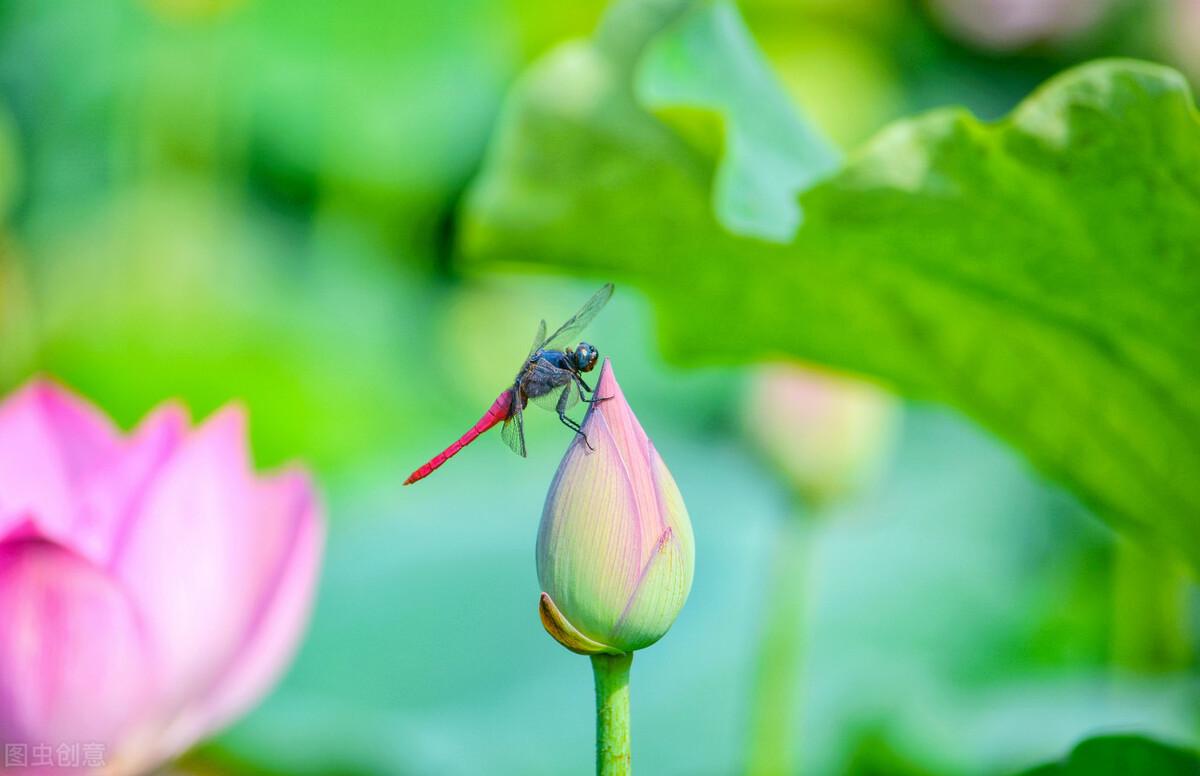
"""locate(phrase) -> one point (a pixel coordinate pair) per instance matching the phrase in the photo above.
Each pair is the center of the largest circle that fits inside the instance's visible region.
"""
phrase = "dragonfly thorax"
(580, 359)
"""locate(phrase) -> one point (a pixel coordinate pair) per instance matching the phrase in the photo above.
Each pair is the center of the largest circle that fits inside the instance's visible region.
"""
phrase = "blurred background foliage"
(259, 200)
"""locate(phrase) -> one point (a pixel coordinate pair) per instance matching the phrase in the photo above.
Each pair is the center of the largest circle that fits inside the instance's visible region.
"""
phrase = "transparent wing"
(513, 431)
(567, 333)
(549, 401)
(538, 339)
(544, 383)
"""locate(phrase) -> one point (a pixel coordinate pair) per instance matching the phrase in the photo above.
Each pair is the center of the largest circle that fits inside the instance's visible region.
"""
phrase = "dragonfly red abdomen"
(496, 413)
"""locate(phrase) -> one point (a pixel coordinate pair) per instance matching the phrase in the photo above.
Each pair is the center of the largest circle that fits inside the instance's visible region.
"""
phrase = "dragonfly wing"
(544, 384)
(513, 431)
(549, 401)
(538, 339)
(566, 334)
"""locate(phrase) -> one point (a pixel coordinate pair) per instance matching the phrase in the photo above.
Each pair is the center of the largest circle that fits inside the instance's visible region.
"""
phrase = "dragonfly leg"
(571, 424)
(568, 422)
(581, 386)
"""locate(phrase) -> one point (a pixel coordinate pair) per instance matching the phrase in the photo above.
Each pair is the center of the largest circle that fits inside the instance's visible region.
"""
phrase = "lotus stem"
(612, 714)
(774, 705)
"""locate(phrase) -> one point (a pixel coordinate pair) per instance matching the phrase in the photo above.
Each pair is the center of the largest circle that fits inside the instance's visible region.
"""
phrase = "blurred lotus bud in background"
(615, 553)
(1009, 25)
(152, 588)
(1183, 34)
(825, 433)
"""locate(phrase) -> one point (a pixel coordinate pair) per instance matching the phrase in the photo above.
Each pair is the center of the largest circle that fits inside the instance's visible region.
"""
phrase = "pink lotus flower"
(151, 587)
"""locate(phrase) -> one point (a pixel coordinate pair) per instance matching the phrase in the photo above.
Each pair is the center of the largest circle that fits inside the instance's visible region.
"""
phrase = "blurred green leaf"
(705, 65)
(1039, 273)
(1122, 755)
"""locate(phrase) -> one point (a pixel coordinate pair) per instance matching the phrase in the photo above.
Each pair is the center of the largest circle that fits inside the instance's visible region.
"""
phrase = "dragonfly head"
(584, 357)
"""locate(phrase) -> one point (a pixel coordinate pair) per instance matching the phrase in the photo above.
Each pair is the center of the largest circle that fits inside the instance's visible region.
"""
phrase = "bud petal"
(564, 632)
(615, 552)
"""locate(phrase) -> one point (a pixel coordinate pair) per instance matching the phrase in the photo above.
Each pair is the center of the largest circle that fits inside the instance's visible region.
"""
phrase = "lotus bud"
(826, 434)
(615, 553)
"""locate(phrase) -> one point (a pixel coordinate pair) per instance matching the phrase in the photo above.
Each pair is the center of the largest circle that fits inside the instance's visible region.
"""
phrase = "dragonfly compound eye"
(585, 357)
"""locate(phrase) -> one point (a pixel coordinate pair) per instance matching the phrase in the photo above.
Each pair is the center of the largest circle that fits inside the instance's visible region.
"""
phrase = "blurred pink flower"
(151, 587)
(1006, 25)
(1182, 30)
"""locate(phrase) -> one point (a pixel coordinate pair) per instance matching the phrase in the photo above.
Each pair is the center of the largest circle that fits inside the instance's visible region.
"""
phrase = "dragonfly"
(551, 376)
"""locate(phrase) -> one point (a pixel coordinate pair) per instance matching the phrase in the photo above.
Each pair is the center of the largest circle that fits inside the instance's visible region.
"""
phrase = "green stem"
(773, 712)
(612, 714)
